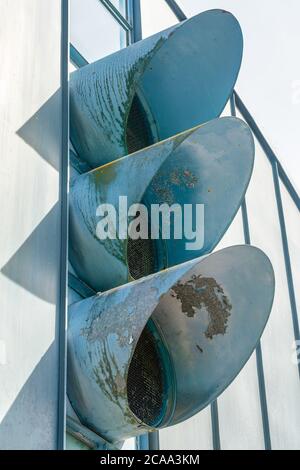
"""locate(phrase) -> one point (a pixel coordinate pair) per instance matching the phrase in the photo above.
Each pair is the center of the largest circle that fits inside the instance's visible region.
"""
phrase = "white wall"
(30, 156)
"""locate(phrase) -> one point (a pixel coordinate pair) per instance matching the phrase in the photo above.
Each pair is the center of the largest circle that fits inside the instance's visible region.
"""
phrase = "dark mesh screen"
(145, 382)
(140, 257)
(140, 253)
(138, 134)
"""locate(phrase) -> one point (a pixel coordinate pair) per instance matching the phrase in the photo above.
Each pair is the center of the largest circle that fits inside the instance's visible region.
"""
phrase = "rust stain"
(183, 177)
(104, 175)
(204, 292)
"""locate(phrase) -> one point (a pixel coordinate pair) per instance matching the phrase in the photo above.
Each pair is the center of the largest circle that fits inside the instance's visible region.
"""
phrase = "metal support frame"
(278, 173)
(80, 287)
(134, 7)
(287, 259)
(267, 149)
(151, 441)
(87, 437)
(259, 358)
(76, 58)
(116, 14)
(148, 441)
(214, 413)
(64, 201)
(176, 10)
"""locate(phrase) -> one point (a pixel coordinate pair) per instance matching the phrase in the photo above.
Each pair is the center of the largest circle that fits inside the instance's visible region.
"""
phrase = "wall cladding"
(30, 166)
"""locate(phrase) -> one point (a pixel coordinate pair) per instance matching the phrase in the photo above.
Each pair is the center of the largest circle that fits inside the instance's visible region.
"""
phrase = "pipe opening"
(139, 132)
(149, 385)
(145, 256)
(141, 258)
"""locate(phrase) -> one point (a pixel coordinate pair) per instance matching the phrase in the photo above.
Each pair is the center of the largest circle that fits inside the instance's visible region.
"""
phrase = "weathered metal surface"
(183, 77)
(210, 165)
(211, 313)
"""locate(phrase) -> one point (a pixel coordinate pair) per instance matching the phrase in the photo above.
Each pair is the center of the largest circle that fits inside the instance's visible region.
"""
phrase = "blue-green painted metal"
(64, 227)
(115, 12)
(80, 287)
(76, 58)
(210, 165)
(214, 414)
(176, 10)
(134, 13)
(87, 437)
(182, 76)
(210, 314)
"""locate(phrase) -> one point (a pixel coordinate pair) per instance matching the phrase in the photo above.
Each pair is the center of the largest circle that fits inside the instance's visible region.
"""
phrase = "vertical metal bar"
(142, 442)
(286, 253)
(154, 441)
(64, 202)
(176, 10)
(149, 441)
(263, 398)
(136, 20)
(215, 426)
(129, 17)
(258, 353)
(259, 358)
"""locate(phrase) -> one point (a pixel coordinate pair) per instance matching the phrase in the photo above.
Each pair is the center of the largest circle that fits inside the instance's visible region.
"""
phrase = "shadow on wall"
(31, 421)
(43, 131)
(34, 265)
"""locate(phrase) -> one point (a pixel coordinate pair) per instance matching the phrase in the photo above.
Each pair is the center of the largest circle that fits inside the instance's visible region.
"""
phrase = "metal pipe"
(76, 58)
(116, 14)
(64, 206)
(176, 10)
(136, 20)
(215, 425)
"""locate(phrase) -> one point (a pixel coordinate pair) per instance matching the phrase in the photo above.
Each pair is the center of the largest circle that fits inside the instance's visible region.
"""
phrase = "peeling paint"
(204, 292)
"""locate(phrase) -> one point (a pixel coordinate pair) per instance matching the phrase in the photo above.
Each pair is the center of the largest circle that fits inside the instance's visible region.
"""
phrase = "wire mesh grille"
(139, 133)
(145, 382)
(140, 257)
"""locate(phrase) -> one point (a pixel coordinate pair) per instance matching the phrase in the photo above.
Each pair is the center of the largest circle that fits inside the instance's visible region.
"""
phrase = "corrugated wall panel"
(194, 434)
(239, 406)
(30, 159)
(282, 379)
(292, 220)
